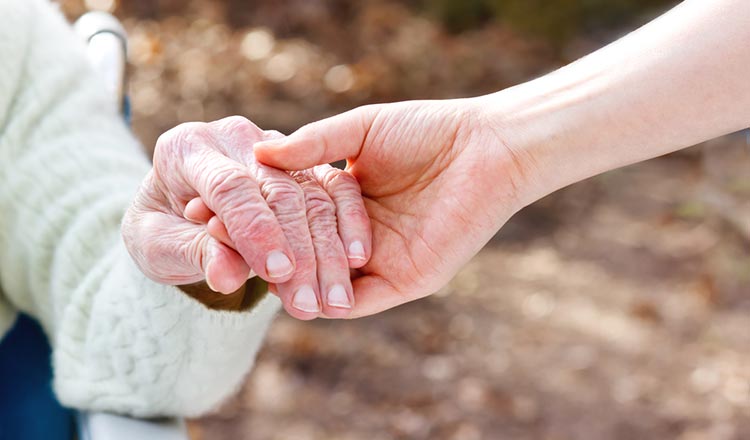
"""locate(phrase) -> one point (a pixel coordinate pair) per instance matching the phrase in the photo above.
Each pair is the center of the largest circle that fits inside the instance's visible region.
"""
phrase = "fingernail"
(337, 297)
(305, 300)
(278, 265)
(208, 269)
(357, 251)
(210, 284)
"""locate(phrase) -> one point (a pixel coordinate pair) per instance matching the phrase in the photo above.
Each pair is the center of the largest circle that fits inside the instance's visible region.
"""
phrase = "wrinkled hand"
(437, 186)
(208, 210)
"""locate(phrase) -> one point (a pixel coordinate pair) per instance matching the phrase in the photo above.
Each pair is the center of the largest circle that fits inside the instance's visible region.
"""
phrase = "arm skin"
(441, 177)
(677, 81)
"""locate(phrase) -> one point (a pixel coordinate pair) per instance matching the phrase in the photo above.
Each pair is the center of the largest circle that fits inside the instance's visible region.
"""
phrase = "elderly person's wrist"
(242, 299)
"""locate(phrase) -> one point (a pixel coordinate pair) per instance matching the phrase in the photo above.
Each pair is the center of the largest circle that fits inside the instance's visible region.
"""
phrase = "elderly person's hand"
(209, 211)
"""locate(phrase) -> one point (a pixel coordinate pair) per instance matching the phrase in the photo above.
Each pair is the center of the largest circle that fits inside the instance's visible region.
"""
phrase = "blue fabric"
(28, 408)
(127, 110)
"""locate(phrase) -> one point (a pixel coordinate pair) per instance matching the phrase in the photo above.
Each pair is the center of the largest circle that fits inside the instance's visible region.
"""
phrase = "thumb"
(336, 138)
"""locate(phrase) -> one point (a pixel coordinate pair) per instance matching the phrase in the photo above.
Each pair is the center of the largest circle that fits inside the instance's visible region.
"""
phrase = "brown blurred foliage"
(555, 21)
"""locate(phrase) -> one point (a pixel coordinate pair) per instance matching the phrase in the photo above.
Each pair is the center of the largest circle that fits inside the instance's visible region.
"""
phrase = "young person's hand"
(440, 177)
(437, 185)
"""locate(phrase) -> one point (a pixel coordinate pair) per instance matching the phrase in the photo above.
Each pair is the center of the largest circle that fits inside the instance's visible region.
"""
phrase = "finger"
(374, 295)
(218, 231)
(197, 211)
(237, 135)
(273, 289)
(181, 253)
(353, 221)
(229, 190)
(326, 141)
(332, 265)
(226, 271)
(300, 294)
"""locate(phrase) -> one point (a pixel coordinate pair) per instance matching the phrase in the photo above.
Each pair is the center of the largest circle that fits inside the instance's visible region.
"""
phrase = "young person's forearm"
(677, 81)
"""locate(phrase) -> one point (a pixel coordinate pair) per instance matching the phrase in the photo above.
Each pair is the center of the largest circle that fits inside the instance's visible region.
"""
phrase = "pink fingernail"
(208, 269)
(337, 297)
(357, 251)
(305, 300)
(278, 265)
(211, 285)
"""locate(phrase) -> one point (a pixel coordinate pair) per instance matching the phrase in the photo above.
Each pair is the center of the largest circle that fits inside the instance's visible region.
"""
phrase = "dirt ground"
(618, 308)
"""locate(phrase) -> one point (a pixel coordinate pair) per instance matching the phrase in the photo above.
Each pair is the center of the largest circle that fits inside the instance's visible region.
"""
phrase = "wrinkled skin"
(208, 210)
(437, 185)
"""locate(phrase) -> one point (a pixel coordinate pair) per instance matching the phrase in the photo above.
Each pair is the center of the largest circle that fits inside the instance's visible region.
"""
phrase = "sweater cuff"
(264, 304)
(148, 349)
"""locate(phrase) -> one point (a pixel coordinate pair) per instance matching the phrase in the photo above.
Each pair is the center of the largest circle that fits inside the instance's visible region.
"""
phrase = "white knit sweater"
(68, 170)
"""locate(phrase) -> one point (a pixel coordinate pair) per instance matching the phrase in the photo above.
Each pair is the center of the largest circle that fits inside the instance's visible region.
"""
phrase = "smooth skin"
(440, 178)
(209, 211)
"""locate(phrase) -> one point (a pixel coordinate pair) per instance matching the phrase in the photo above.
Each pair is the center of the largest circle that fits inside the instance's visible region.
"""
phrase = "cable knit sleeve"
(68, 170)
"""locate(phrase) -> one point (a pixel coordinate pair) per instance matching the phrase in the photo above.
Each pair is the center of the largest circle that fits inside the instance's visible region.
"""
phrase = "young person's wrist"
(559, 129)
(520, 147)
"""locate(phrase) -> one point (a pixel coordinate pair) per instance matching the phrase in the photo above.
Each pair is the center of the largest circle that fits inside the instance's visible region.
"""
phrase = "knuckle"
(354, 212)
(261, 228)
(227, 185)
(179, 141)
(302, 246)
(319, 206)
(187, 132)
(237, 125)
(192, 250)
(306, 266)
(303, 178)
(335, 261)
(329, 251)
(339, 181)
(272, 134)
(236, 122)
(188, 129)
(285, 195)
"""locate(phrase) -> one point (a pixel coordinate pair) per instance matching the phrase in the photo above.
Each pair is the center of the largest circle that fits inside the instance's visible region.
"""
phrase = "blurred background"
(618, 308)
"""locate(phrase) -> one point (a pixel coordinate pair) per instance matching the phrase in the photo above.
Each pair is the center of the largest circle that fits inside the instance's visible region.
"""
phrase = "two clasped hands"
(427, 182)
(226, 200)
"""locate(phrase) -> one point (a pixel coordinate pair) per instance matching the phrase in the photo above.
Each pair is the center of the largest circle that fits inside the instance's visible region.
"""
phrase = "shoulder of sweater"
(17, 25)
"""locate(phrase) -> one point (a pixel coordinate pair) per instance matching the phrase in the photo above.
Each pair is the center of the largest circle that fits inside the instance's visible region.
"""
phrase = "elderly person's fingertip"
(223, 286)
(278, 265)
(339, 298)
(357, 254)
(196, 211)
(305, 300)
(213, 286)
